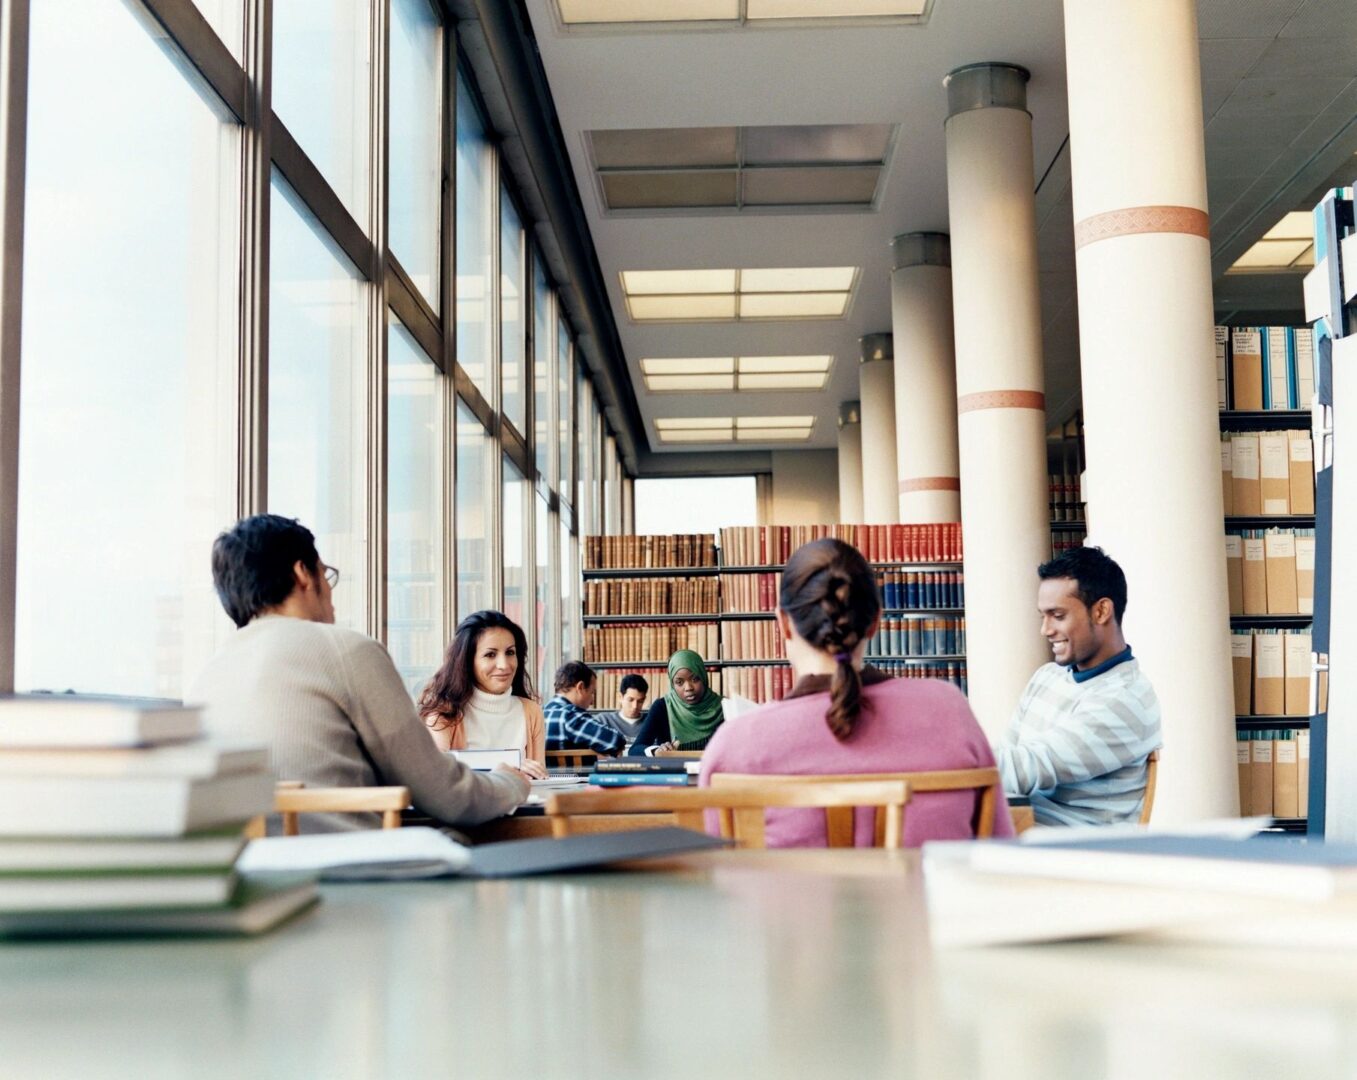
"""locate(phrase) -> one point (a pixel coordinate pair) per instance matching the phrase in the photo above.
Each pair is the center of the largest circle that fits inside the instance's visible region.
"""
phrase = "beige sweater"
(333, 712)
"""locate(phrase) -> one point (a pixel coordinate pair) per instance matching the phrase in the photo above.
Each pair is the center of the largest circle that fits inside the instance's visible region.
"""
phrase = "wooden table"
(734, 964)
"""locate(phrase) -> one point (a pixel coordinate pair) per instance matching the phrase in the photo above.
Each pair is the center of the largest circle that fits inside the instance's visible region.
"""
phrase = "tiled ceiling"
(1279, 84)
(740, 168)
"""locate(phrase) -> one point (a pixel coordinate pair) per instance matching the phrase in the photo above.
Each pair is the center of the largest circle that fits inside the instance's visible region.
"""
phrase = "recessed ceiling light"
(774, 421)
(833, 9)
(674, 423)
(615, 11)
(673, 374)
(681, 308)
(785, 363)
(793, 305)
(798, 279)
(677, 282)
(671, 383)
(1297, 225)
(1274, 254)
(791, 380)
(712, 365)
(742, 428)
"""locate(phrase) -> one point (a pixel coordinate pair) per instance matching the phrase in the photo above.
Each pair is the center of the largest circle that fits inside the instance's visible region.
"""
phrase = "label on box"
(1241, 646)
(1303, 745)
(1280, 545)
(1245, 459)
(1262, 751)
(1305, 553)
(1253, 549)
(1302, 450)
(1241, 752)
(1226, 457)
(1269, 660)
(1286, 752)
(1276, 506)
(1273, 455)
(1234, 547)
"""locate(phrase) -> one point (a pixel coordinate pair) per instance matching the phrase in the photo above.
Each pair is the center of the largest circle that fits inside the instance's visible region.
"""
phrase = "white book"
(76, 806)
(52, 855)
(484, 760)
(67, 720)
(84, 892)
(417, 848)
(255, 907)
(196, 759)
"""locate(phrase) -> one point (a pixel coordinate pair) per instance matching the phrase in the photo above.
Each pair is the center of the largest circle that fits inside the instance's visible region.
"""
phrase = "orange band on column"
(1001, 399)
(1142, 219)
(930, 483)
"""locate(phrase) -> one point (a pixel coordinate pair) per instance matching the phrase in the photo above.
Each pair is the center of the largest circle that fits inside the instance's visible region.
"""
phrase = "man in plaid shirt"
(569, 726)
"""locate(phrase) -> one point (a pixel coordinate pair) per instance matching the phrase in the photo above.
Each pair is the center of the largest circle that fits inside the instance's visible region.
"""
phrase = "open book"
(420, 852)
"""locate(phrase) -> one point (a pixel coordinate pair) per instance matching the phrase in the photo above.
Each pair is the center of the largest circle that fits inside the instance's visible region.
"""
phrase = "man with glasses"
(328, 702)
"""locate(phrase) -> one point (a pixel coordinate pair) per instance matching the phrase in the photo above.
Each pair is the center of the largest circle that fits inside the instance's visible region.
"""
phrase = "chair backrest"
(984, 781)
(387, 801)
(693, 755)
(740, 809)
(571, 759)
(1151, 778)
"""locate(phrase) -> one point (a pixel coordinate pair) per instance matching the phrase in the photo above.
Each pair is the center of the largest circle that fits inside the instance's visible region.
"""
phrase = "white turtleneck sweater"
(495, 721)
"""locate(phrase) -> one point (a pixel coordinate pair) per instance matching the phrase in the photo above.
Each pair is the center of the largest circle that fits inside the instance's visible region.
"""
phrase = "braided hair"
(829, 594)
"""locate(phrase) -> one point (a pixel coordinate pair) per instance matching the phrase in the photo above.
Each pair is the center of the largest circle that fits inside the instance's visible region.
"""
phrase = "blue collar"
(1105, 666)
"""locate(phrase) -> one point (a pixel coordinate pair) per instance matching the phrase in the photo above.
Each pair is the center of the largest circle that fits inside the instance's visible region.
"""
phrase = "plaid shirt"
(571, 728)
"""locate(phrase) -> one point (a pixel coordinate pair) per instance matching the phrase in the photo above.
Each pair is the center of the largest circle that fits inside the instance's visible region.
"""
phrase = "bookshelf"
(1266, 465)
(923, 618)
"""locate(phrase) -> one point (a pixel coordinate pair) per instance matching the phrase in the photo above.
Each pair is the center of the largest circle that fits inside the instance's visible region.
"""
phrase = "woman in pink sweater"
(842, 717)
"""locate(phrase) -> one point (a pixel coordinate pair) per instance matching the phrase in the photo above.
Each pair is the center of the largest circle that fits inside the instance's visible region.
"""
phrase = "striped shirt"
(1078, 744)
(571, 728)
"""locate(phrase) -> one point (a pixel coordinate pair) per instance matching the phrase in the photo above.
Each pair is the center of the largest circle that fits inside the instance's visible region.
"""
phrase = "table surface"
(779, 964)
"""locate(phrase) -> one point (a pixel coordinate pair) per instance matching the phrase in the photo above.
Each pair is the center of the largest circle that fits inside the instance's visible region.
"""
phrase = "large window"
(512, 316)
(127, 447)
(415, 142)
(475, 243)
(472, 527)
(318, 452)
(545, 616)
(513, 509)
(586, 496)
(543, 376)
(570, 580)
(414, 499)
(705, 504)
(565, 410)
(321, 88)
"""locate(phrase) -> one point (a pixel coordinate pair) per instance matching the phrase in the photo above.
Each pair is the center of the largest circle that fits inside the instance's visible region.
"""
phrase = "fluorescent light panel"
(833, 9)
(742, 428)
(677, 282)
(801, 292)
(793, 305)
(728, 373)
(577, 12)
(1272, 254)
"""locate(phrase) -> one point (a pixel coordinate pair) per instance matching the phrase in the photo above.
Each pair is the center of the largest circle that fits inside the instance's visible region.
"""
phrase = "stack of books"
(633, 771)
(117, 816)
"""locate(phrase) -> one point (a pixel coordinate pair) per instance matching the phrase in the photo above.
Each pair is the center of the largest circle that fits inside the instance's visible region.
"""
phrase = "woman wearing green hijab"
(687, 716)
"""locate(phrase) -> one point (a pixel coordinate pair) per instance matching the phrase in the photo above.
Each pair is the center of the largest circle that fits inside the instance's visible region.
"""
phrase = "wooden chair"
(571, 759)
(1151, 778)
(984, 781)
(292, 797)
(741, 808)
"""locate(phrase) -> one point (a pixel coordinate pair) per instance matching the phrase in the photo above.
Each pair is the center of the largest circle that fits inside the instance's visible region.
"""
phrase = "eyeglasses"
(332, 575)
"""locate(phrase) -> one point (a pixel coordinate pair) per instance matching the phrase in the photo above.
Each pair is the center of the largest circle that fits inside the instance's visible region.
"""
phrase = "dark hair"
(1095, 576)
(829, 593)
(572, 672)
(252, 563)
(632, 681)
(444, 698)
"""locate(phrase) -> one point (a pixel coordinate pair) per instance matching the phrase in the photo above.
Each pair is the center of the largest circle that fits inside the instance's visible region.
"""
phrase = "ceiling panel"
(810, 187)
(661, 190)
(1271, 97)
(1243, 18)
(661, 147)
(804, 143)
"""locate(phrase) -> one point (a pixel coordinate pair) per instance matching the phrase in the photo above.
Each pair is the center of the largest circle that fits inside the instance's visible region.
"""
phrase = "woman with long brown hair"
(481, 698)
(844, 717)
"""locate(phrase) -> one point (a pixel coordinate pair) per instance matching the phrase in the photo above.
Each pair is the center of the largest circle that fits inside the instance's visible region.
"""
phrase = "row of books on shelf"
(754, 639)
(904, 590)
(1066, 539)
(409, 556)
(919, 635)
(1065, 500)
(652, 596)
(1270, 571)
(749, 593)
(1269, 473)
(772, 545)
(623, 552)
(1271, 670)
(414, 600)
(761, 684)
(1274, 772)
(608, 682)
(1264, 368)
(120, 817)
(624, 642)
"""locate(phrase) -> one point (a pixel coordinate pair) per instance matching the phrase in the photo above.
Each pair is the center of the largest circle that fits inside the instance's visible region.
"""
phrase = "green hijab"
(691, 723)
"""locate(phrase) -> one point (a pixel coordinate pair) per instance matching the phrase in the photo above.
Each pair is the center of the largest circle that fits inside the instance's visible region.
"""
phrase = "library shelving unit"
(645, 597)
(1280, 735)
(923, 619)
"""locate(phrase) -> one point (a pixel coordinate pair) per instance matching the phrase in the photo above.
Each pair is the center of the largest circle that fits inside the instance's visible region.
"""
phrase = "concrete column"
(1150, 425)
(876, 388)
(925, 379)
(850, 463)
(1001, 406)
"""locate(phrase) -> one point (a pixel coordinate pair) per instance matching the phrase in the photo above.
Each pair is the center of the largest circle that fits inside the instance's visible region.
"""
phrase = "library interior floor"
(593, 313)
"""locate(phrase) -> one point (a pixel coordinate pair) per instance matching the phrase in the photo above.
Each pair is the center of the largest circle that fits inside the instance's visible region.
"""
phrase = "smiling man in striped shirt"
(1080, 738)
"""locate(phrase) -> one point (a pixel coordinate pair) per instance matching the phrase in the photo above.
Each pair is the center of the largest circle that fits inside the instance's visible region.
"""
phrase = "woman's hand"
(533, 770)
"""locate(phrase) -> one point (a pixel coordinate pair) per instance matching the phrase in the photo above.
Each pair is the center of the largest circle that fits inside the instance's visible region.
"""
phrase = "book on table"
(486, 760)
(212, 849)
(638, 764)
(257, 905)
(194, 759)
(112, 891)
(68, 720)
(641, 779)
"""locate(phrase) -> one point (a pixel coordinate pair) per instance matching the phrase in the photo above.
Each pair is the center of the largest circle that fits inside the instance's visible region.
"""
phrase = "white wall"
(805, 487)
